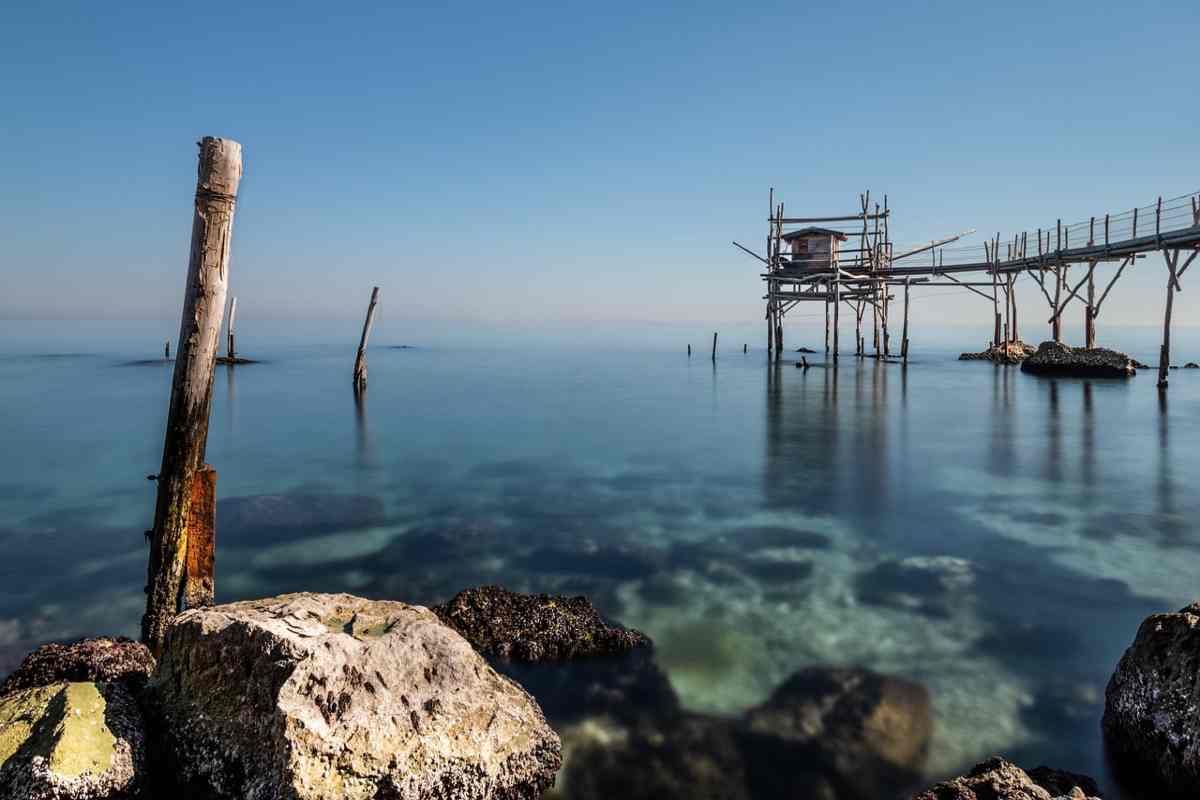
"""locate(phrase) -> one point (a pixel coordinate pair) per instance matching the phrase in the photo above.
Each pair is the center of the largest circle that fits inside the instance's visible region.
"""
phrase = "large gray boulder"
(1152, 704)
(309, 696)
(998, 779)
(1056, 358)
(71, 741)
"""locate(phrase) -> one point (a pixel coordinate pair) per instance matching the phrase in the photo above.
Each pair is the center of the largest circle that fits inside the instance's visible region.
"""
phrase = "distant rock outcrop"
(1056, 358)
(997, 779)
(1007, 353)
(1151, 717)
(309, 696)
(534, 627)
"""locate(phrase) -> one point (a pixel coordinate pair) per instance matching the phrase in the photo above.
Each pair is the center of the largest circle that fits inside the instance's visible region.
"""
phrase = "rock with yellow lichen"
(71, 741)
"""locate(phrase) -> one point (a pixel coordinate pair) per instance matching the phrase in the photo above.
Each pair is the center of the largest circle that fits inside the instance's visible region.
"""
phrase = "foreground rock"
(868, 730)
(1007, 353)
(1152, 704)
(534, 627)
(1056, 358)
(997, 779)
(71, 741)
(311, 696)
(103, 659)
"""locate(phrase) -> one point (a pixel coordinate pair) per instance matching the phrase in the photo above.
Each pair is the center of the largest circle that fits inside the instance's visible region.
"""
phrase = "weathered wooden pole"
(827, 321)
(231, 347)
(1056, 323)
(778, 337)
(745, 349)
(689, 351)
(837, 307)
(167, 349)
(1164, 355)
(1013, 295)
(360, 361)
(714, 352)
(904, 332)
(1089, 313)
(182, 520)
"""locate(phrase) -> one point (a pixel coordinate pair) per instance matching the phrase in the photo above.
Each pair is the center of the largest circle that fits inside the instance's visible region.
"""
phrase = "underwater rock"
(1151, 717)
(117, 660)
(805, 350)
(930, 585)
(683, 756)
(997, 779)
(269, 518)
(71, 741)
(869, 732)
(1056, 358)
(311, 696)
(1008, 353)
(534, 627)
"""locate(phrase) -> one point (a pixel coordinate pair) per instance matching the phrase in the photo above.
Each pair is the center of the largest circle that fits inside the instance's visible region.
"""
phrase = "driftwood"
(220, 172)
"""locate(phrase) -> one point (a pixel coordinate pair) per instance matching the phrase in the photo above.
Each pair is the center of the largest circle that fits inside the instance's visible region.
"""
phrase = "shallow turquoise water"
(995, 536)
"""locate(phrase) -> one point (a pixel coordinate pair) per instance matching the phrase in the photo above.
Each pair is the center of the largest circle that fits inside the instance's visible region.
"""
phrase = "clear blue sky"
(535, 163)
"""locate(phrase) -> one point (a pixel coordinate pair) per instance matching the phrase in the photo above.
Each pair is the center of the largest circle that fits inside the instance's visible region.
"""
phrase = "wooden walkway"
(862, 276)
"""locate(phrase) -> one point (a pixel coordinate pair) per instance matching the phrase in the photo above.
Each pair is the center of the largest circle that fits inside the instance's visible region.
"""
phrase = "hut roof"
(806, 232)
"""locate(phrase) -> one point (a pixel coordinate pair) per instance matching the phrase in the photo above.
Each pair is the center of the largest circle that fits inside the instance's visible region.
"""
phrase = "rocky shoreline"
(1007, 353)
(510, 696)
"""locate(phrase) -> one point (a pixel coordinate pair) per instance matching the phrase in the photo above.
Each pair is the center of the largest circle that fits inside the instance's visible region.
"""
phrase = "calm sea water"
(994, 536)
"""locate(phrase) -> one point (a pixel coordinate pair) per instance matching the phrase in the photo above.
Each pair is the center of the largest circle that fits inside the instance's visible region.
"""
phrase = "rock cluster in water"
(1006, 353)
(101, 659)
(1152, 704)
(1056, 358)
(997, 779)
(534, 627)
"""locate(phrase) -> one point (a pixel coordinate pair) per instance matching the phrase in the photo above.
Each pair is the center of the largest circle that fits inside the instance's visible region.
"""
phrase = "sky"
(568, 163)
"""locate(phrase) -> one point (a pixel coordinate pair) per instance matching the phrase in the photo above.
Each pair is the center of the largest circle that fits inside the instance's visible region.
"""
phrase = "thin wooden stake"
(219, 174)
(167, 349)
(231, 348)
(714, 352)
(360, 361)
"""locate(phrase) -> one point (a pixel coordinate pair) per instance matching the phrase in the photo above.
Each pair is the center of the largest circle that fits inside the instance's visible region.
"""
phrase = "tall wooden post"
(714, 352)
(360, 361)
(837, 306)
(1164, 355)
(778, 337)
(167, 349)
(178, 511)
(904, 332)
(1012, 294)
(1056, 323)
(231, 348)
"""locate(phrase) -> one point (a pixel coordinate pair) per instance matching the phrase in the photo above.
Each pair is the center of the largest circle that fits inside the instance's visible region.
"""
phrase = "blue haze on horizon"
(539, 164)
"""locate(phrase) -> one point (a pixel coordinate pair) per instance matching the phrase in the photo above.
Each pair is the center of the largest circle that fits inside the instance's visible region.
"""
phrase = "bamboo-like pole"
(231, 347)
(219, 174)
(360, 361)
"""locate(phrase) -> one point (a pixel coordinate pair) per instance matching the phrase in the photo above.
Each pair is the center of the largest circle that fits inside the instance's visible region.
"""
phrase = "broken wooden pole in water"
(714, 352)
(360, 361)
(231, 347)
(167, 349)
(689, 351)
(745, 349)
(180, 509)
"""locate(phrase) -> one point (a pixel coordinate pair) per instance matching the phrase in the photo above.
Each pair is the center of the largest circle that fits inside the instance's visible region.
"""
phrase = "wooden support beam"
(360, 361)
(1107, 289)
(1058, 311)
(904, 332)
(220, 172)
(1164, 354)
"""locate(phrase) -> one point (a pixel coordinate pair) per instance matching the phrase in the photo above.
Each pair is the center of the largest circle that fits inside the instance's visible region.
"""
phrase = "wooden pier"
(850, 259)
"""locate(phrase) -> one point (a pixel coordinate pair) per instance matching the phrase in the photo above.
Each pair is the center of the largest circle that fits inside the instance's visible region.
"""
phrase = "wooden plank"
(219, 174)
(199, 578)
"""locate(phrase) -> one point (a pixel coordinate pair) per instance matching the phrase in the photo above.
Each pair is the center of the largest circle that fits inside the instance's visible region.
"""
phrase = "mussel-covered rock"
(534, 627)
(997, 779)
(1152, 704)
(118, 660)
